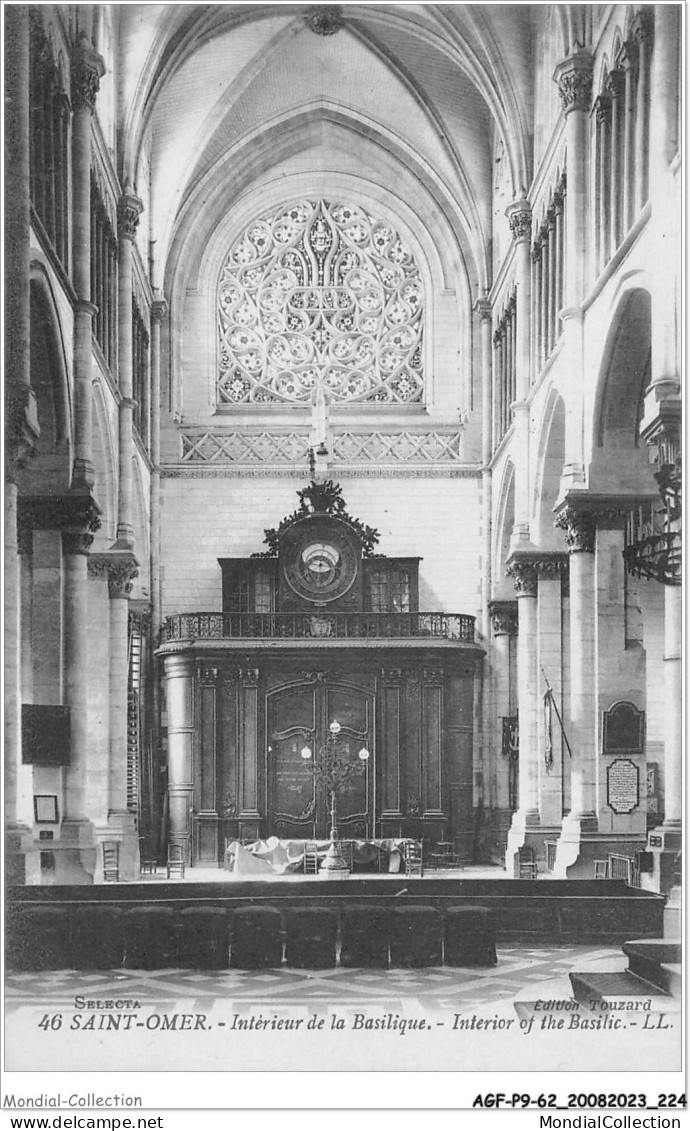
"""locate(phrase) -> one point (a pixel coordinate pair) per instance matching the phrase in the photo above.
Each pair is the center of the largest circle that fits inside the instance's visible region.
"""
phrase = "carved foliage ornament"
(88, 69)
(521, 224)
(575, 88)
(580, 529)
(524, 575)
(320, 499)
(324, 19)
(129, 210)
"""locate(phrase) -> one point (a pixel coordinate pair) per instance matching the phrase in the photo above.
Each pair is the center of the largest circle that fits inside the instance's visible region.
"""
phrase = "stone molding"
(579, 515)
(504, 617)
(574, 77)
(247, 449)
(344, 471)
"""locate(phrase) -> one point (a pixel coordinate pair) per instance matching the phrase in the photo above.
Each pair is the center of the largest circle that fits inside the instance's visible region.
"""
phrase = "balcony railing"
(318, 626)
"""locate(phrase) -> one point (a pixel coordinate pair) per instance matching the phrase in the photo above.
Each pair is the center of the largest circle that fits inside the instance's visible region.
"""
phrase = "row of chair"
(251, 937)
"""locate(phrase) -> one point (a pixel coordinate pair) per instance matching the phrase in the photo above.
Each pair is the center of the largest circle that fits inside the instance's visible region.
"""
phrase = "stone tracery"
(320, 294)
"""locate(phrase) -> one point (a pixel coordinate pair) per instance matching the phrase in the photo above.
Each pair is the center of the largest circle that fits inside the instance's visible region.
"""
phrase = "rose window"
(320, 295)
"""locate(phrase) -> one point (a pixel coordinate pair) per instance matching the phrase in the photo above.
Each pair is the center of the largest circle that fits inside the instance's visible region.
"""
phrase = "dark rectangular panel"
(45, 735)
(432, 748)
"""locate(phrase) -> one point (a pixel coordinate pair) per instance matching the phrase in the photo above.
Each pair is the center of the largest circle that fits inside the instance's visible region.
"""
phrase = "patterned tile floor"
(519, 968)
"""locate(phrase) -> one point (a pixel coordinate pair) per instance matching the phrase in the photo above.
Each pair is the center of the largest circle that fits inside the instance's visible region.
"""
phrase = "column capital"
(602, 107)
(120, 568)
(21, 426)
(88, 69)
(524, 575)
(140, 613)
(615, 84)
(482, 307)
(129, 209)
(520, 220)
(574, 78)
(627, 59)
(579, 527)
(504, 617)
(159, 309)
(76, 515)
(643, 25)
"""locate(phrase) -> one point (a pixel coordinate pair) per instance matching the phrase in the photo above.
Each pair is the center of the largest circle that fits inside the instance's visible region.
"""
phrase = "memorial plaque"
(623, 785)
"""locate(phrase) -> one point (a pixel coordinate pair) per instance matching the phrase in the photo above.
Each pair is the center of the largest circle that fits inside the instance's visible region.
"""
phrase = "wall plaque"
(622, 785)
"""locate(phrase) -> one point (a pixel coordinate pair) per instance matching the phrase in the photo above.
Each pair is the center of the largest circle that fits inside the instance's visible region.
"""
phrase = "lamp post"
(335, 769)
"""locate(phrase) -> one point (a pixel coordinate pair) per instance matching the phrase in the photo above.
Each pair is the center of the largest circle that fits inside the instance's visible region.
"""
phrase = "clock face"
(319, 560)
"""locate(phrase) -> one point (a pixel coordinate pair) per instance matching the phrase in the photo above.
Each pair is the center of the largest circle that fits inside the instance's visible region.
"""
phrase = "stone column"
(602, 216)
(520, 220)
(129, 210)
(615, 88)
(574, 78)
(79, 525)
(87, 70)
(525, 578)
(673, 737)
(553, 763)
(504, 622)
(582, 723)
(179, 686)
(158, 313)
(642, 30)
(628, 62)
(482, 308)
(21, 420)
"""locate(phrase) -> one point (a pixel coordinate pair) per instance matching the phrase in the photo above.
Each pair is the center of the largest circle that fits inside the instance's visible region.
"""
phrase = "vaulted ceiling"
(227, 98)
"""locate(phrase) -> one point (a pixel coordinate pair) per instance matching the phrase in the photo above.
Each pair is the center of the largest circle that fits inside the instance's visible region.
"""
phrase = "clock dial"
(320, 561)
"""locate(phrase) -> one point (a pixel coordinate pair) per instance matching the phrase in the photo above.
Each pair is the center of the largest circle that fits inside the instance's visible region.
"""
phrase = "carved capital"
(551, 565)
(504, 617)
(21, 427)
(120, 568)
(77, 516)
(536, 252)
(524, 575)
(88, 69)
(615, 84)
(520, 221)
(432, 676)
(642, 26)
(574, 78)
(208, 676)
(482, 307)
(627, 58)
(579, 527)
(139, 618)
(602, 108)
(249, 676)
(324, 19)
(392, 677)
(129, 209)
(159, 309)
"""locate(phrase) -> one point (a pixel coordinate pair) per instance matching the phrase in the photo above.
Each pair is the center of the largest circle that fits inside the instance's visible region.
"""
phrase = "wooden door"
(298, 715)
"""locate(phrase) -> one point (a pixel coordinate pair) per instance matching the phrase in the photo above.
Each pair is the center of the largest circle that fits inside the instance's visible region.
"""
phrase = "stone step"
(657, 961)
(620, 992)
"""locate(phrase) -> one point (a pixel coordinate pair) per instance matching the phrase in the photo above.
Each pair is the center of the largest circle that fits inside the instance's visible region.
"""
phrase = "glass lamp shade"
(335, 727)
(364, 754)
(305, 753)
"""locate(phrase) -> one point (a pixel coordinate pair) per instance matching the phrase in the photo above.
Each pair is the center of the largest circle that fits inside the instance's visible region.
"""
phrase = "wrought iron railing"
(318, 626)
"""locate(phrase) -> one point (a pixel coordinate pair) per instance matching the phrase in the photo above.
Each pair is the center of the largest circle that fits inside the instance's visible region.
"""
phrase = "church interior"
(343, 441)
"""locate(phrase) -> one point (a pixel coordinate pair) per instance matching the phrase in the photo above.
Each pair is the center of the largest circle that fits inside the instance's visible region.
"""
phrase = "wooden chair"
(413, 858)
(111, 861)
(526, 863)
(176, 860)
(310, 862)
(148, 864)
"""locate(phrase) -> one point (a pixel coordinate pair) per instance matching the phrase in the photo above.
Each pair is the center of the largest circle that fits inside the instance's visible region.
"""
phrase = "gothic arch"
(548, 471)
(618, 459)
